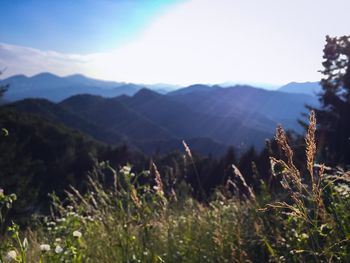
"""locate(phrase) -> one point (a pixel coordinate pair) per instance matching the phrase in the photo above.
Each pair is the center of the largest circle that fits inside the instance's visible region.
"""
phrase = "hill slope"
(55, 88)
(241, 115)
(255, 107)
(42, 156)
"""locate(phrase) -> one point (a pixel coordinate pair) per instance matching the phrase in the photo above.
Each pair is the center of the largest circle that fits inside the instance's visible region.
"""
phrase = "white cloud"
(208, 41)
(30, 61)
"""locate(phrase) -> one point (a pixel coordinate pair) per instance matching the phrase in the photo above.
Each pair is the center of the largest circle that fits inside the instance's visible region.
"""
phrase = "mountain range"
(310, 88)
(208, 117)
(55, 88)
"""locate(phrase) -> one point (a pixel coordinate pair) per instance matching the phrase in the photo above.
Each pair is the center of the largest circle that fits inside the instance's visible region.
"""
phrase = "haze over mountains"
(55, 88)
(209, 118)
(310, 88)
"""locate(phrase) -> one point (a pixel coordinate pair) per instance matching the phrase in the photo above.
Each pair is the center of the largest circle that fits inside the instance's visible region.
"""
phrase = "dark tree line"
(39, 157)
(334, 116)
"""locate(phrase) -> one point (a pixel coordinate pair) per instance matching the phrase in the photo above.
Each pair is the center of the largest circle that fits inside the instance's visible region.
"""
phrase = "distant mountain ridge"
(94, 116)
(49, 86)
(194, 88)
(212, 117)
(310, 88)
(52, 87)
(55, 88)
(259, 108)
(81, 79)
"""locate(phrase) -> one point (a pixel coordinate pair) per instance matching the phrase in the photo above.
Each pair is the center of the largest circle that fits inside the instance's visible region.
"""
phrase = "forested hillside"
(213, 117)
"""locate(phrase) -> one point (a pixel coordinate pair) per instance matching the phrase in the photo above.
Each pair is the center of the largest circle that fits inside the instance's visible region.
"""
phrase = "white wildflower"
(77, 234)
(11, 255)
(25, 243)
(71, 214)
(45, 247)
(58, 249)
(57, 240)
(125, 169)
(343, 190)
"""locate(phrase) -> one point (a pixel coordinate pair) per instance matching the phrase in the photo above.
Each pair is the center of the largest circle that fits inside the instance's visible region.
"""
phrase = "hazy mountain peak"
(56, 88)
(145, 93)
(84, 80)
(82, 97)
(310, 88)
(77, 75)
(195, 88)
(45, 75)
(16, 77)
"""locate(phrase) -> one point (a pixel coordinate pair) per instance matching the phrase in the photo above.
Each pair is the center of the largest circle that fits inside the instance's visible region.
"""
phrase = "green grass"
(130, 221)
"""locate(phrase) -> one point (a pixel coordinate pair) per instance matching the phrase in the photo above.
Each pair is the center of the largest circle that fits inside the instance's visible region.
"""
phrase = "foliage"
(137, 217)
(52, 157)
(334, 131)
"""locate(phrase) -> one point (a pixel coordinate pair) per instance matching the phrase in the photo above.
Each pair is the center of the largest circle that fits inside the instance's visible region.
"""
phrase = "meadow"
(128, 217)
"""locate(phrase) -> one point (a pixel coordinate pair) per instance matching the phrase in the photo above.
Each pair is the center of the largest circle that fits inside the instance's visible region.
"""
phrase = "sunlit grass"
(129, 220)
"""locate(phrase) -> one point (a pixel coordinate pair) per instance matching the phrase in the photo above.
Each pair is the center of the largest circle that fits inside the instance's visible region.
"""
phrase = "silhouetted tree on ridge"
(333, 116)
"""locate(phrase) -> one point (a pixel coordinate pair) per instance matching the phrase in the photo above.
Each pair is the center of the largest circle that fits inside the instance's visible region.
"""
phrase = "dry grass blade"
(173, 195)
(310, 156)
(189, 153)
(311, 147)
(294, 211)
(230, 182)
(321, 171)
(135, 199)
(158, 179)
(82, 199)
(282, 141)
(187, 149)
(240, 176)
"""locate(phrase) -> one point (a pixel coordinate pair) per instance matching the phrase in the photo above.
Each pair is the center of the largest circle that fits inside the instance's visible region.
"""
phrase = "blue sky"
(76, 26)
(177, 42)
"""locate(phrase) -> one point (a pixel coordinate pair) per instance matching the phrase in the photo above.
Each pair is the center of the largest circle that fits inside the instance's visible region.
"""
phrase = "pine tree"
(333, 116)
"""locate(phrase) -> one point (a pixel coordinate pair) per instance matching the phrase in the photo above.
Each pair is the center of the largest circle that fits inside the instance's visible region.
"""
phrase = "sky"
(262, 42)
